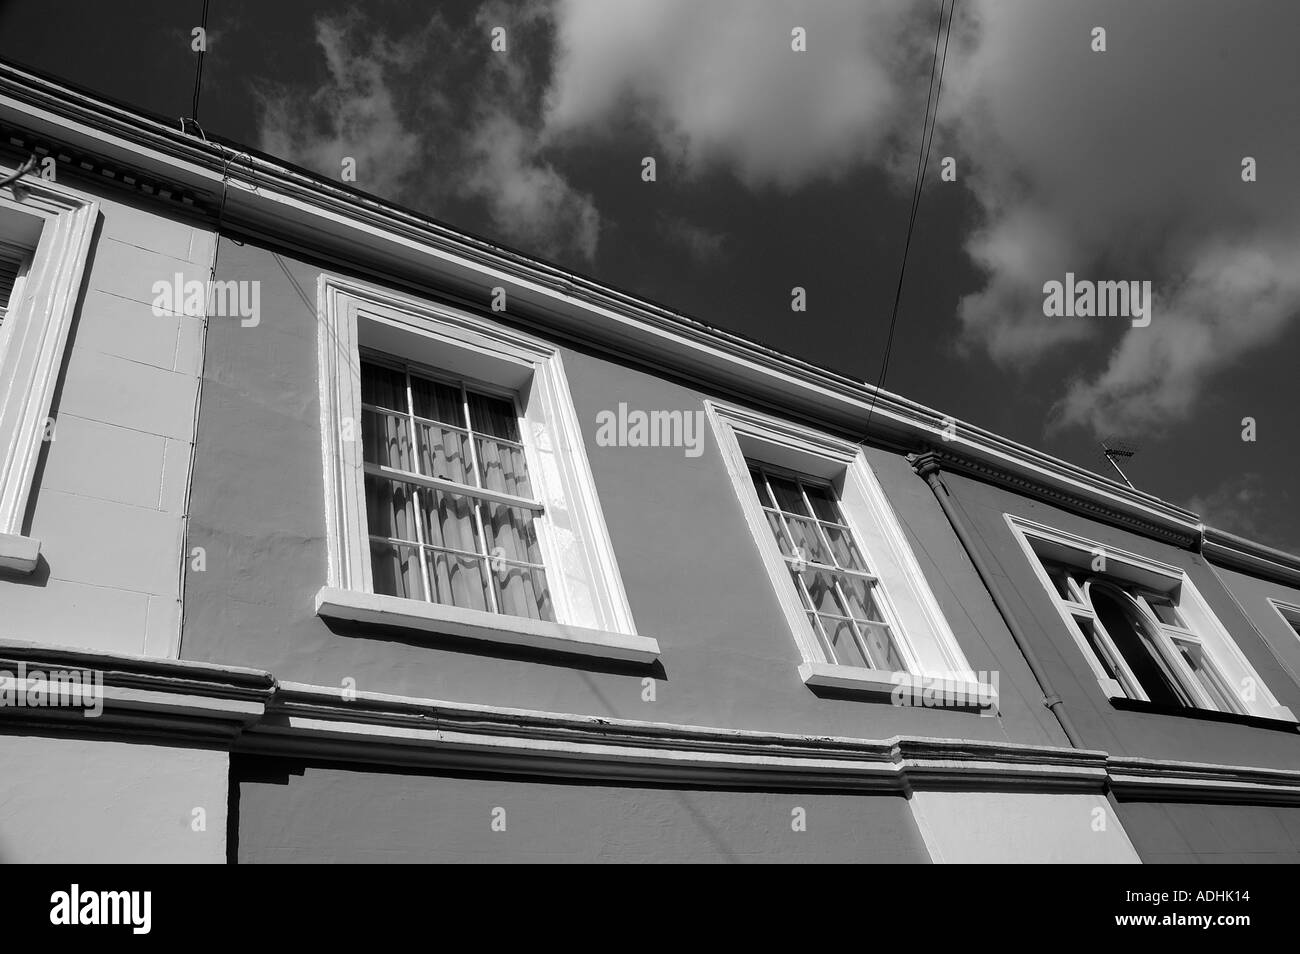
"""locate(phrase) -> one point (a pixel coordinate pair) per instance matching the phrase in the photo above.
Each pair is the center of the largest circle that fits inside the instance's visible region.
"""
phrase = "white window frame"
(33, 339)
(1289, 612)
(919, 627)
(16, 294)
(1201, 627)
(591, 609)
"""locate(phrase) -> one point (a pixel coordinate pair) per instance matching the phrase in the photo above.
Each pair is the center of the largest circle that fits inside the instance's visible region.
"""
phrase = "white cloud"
(1126, 164)
(354, 114)
(434, 145)
(703, 245)
(526, 197)
(1115, 165)
(718, 84)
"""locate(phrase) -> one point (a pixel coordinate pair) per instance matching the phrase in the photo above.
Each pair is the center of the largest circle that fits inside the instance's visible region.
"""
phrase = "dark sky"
(778, 168)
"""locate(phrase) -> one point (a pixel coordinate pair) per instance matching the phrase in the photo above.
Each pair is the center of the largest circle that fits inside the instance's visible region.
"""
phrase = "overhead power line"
(943, 29)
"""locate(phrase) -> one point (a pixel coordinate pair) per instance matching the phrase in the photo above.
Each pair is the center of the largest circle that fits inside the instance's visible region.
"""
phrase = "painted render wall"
(108, 496)
(689, 563)
(1103, 726)
(1183, 833)
(302, 812)
(1252, 595)
(92, 801)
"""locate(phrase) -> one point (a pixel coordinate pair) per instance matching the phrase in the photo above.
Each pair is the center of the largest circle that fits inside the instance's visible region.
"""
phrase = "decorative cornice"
(246, 710)
(1141, 513)
(1152, 780)
(185, 702)
(371, 727)
(1230, 550)
(120, 175)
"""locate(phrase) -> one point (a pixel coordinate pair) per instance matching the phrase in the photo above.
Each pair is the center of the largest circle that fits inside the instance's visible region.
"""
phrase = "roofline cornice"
(271, 199)
(1238, 553)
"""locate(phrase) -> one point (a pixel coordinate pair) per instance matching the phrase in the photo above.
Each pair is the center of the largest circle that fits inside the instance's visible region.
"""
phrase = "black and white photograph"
(650, 432)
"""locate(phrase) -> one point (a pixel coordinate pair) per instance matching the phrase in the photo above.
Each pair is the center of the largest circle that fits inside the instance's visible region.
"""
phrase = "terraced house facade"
(394, 544)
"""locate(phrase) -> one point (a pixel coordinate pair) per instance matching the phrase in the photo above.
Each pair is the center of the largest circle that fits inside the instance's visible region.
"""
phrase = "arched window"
(1136, 636)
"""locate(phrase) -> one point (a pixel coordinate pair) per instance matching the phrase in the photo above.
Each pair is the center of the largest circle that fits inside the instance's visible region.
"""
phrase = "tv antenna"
(1115, 450)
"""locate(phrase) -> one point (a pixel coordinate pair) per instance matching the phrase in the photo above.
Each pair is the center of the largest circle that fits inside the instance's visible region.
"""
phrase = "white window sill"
(333, 603)
(19, 554)
(904, 688)
(1115, 692)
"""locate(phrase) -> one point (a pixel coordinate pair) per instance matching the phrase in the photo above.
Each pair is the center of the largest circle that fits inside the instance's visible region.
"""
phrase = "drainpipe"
(927, 466)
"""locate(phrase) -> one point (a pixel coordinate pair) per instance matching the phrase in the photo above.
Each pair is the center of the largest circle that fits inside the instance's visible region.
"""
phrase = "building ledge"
(334, 603)
(904, 689)
(1284, 721)
(19, 554)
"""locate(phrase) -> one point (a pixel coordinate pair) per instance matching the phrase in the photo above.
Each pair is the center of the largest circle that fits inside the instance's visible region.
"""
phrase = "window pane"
(1165, 610)
(821, 590)
(437, 401)
(383, 386)
(444, 453)
(808, 542)
(1207, 675)
(493, 416)
(881, 646)
(501, 468)
(823, 503)
(1135, 643)
(788, 497)
(390, 508)
(385, 439)
(778, 531)
(760, 485)
(846, 553)
(1060, 577)
(843, 644)
(513, 531)
(1090, 634)
(522, 591)
(449, 521)
(459, 580)
(396, 570)
(862, 602)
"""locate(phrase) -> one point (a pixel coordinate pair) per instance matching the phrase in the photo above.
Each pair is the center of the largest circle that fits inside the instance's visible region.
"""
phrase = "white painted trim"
(878, 681)
(921, 632)
(333, 603)
(19, 553)
(582, 571)
(1224, 650)
(36, 336)
(248, 710)
(1288, 612)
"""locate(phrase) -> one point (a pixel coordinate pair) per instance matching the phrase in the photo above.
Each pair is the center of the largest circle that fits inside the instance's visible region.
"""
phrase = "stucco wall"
(293, 812)
(86, 801)
(1102, 725)
(1181, 833)
(1021, 828)
(690, 566)
(108, 497)
(1252, 594)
